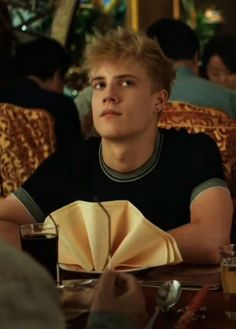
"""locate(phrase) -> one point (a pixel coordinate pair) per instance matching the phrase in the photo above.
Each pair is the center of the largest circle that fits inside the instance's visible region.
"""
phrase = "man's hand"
(122, 293)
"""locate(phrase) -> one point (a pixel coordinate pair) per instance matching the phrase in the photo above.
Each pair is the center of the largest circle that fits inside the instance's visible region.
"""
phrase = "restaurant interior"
(177, 293)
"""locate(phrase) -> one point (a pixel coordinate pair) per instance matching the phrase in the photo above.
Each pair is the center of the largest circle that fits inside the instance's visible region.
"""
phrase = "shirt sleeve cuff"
(210, 183)
(28, 202)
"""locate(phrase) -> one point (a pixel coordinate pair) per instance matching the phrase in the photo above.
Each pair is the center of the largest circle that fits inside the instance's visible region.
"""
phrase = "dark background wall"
(151, 10)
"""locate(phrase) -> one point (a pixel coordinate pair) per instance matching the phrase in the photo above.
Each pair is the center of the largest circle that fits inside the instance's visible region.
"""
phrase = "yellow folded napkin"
(135, 241)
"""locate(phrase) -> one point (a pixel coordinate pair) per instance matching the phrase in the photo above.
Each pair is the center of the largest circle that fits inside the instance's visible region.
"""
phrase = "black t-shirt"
(181, 167)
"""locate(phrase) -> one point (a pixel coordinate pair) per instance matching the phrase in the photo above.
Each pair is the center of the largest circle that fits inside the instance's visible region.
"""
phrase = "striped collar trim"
(137, 174)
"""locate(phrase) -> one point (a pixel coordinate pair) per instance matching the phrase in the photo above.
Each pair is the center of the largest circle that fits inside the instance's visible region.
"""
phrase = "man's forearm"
(209, 227)
(196, 245)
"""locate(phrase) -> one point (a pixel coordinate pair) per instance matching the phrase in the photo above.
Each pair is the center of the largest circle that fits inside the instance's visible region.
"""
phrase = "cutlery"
(167, 296)
(184, 285)
(148, 284)
(109, 266)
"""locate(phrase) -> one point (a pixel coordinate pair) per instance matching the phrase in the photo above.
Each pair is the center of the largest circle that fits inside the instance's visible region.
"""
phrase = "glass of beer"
(228, 278)
(40, 240)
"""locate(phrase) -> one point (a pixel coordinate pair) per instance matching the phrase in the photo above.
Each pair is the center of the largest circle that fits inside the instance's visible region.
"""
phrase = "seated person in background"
(28, 297)
(219, 61)
(40, 66)
(174, 178)
(181, 45)
(83, 104)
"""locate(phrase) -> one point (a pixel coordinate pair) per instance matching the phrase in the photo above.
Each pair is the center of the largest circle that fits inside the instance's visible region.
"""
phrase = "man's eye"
(127, 83)
(98, 85)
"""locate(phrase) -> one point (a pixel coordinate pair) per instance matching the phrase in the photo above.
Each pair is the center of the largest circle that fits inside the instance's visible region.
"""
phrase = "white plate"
(77, 268)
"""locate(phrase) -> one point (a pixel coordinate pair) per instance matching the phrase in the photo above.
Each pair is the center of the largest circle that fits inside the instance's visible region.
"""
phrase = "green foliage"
(204, 29)
(200, 22)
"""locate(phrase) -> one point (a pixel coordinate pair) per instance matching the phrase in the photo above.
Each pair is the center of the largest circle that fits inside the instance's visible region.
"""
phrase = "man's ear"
(161, 100)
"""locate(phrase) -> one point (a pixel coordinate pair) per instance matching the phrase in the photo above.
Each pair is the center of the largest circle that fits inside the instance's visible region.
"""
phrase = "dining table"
(201, 284)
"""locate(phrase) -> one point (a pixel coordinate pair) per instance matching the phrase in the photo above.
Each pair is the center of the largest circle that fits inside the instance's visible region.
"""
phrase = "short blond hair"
(121, 43)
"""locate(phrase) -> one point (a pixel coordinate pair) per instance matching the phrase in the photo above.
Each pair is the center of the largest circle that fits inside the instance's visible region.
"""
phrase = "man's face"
(124, 105)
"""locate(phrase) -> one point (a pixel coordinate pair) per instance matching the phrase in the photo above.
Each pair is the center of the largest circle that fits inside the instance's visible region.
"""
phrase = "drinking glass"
(40, 240)
(228, 278)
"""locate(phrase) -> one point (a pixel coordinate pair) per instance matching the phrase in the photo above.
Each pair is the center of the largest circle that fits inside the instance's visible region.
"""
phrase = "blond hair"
(121, 43)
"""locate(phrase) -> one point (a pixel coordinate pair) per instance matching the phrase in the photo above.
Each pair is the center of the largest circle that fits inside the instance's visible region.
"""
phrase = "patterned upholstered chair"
(216, 124)
(27, 137)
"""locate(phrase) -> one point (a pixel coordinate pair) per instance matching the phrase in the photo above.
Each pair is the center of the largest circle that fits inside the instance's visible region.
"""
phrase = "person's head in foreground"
(28, 297)
(219, 60)
(131, 80)
(177, 40)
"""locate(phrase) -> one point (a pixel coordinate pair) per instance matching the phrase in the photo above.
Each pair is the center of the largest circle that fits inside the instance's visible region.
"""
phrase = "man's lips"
(109, 112)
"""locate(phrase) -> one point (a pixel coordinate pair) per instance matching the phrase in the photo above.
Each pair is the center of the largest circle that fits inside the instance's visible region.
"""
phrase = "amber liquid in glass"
(228, 278)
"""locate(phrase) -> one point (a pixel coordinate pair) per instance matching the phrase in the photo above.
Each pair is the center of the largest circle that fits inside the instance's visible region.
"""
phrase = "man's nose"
(110, 99)
(111, 95)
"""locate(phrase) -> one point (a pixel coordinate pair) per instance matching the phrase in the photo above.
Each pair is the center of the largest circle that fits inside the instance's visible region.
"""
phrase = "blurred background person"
(39, 69)
(219, 61)
(84, 107)
(181, 45)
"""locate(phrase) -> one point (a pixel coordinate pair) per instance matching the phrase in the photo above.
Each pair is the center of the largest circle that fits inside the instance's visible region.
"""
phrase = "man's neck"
(126, 156)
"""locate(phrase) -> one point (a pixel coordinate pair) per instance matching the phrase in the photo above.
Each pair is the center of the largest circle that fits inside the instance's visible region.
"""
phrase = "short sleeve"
(61, 179)
(40, 194)
(206, 164)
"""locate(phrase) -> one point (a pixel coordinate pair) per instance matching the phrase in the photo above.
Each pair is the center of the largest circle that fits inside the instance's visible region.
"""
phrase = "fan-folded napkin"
(135, 241)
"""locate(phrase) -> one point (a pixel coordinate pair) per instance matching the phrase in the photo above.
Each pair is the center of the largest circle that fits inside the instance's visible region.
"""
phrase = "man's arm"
(13, 214)
(209, 229)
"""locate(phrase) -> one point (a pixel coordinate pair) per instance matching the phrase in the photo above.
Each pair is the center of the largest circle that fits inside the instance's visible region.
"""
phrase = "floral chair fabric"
(215, 123)
(27, 137)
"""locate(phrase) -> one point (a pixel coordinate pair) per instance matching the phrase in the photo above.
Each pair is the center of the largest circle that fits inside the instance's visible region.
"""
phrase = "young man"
(175, 179)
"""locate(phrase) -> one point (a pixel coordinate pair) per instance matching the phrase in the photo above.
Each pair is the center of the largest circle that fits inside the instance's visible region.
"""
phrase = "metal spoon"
(167, 296)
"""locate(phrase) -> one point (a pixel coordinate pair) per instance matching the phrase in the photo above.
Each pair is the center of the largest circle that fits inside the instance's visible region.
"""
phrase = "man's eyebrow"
(117, 77)
(96, 78)
(91, 79)
(126, 75)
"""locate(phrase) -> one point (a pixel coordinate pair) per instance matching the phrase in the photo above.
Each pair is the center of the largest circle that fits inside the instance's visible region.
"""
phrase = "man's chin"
(110, 133)
(112, 136)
